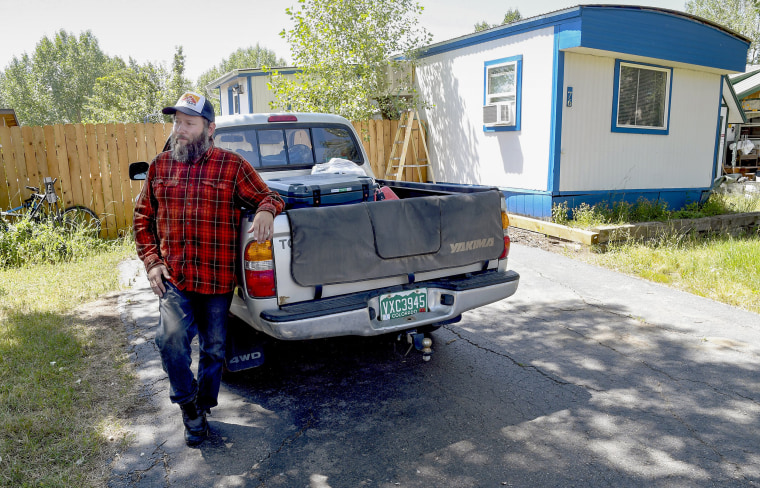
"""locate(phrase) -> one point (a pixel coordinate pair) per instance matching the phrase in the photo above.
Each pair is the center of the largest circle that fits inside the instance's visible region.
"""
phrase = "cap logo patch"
(192, 101)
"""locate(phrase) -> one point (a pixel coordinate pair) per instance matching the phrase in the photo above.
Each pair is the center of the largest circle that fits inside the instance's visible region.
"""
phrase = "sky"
(149, 30)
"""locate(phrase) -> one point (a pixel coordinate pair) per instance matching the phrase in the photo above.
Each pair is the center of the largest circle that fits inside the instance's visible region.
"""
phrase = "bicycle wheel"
(78, 217)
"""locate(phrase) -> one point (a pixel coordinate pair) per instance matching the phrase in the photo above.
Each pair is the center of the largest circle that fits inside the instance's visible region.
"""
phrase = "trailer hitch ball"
(427, 342)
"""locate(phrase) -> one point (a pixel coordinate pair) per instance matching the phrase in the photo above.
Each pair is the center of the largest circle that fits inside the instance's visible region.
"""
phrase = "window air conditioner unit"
(498, 114)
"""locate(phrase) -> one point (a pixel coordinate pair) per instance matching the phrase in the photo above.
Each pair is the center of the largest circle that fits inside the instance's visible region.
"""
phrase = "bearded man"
(186, 232)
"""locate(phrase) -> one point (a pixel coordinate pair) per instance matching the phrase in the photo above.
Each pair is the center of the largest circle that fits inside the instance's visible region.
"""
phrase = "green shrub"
(588, 216)
(27, 243)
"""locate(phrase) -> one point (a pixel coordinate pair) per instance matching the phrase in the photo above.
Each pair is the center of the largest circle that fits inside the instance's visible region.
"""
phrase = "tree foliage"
(512, 15)
(53, 84)
(68, 79)
(129, 93)
(742, 16)
(354, 58)
(244, 58)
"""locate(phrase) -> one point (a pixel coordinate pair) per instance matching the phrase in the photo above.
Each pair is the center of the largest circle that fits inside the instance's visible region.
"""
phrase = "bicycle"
(44, 206)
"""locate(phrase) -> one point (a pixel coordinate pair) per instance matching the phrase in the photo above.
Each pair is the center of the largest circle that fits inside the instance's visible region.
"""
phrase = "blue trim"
(499, 32)
(249, 87)
(518, 93)
(718, 131)
(658, 34)
(539, 204)
(230, 102)
(616, 92)
(555, 131)
(640, 31)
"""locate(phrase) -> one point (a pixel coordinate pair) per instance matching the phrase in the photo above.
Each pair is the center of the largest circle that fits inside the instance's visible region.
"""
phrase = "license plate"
(402, 304)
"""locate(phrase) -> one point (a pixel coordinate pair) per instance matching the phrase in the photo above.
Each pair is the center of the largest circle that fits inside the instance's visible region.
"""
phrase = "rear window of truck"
(291, 147)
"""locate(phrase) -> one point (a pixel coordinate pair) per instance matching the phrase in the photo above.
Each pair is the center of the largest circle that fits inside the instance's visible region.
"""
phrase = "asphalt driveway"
(585, 377)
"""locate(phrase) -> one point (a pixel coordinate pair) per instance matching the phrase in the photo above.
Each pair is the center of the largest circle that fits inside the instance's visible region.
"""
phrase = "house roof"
(8, 117)
(736, 113)
(649, 32)
(745, 84)
(248, 72)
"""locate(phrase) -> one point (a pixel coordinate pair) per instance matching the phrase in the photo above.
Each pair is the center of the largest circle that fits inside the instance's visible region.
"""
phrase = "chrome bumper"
(357, 314)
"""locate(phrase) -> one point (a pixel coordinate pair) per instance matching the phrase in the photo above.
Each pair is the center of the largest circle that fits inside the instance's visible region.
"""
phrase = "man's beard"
(192, 150)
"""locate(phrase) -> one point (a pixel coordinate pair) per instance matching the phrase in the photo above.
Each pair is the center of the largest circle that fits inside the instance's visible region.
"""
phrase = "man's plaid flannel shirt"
(187, 216)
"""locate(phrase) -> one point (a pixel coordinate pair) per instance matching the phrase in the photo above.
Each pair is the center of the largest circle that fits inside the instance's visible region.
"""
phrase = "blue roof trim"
(661, 35)
(638, 31)
(499, 32)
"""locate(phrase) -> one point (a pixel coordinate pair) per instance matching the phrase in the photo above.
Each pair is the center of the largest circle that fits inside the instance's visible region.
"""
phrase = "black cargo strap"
(317, 292)
(410, 277)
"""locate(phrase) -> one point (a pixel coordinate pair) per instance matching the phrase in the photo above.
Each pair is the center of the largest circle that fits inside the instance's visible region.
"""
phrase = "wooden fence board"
(62, 157)
(123, 160)
(84, 165)
(73, 180)
(109, 218)
(132, 152)
(142, 143)
(21, 171)
(48, 133)
(98, 203)
(117, 178)
(40, 151)
(30, 158)
(8, 160)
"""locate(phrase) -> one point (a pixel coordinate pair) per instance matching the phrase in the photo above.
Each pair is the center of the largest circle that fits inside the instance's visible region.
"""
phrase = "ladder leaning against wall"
(397, 162)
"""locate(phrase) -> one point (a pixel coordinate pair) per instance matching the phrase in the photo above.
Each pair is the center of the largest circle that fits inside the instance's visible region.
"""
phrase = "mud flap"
(245, 347)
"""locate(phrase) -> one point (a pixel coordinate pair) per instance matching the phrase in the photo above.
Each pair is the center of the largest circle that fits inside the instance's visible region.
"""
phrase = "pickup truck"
(405, 265)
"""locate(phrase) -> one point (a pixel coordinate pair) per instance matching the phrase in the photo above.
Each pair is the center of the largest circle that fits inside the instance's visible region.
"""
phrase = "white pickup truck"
(406, 265)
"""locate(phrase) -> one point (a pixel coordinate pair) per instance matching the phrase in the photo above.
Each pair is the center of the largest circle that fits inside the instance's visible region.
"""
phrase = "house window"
(502, 93)
(642, 98)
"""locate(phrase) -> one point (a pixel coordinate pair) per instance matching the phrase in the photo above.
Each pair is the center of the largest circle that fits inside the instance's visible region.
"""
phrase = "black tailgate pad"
(372, 240)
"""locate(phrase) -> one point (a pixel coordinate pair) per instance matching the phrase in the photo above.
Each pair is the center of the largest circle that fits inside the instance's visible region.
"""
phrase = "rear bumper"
(357, 314)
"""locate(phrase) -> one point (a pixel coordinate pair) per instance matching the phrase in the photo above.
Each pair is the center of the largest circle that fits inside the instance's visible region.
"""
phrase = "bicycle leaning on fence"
(44, 206)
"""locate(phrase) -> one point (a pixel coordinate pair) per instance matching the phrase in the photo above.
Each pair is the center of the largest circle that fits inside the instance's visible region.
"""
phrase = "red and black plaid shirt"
(187, 217)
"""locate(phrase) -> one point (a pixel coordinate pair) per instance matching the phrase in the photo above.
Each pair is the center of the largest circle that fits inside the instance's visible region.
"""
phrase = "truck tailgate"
(374, 240)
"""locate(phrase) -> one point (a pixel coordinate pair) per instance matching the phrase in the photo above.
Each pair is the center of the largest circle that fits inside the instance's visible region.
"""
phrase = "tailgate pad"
(394, 237)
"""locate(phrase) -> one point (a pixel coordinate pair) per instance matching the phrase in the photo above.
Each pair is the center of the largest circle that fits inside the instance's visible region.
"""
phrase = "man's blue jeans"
(182, 315)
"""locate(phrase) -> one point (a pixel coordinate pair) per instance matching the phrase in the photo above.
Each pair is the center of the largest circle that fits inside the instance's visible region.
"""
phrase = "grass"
(65, 374)
(724, 268)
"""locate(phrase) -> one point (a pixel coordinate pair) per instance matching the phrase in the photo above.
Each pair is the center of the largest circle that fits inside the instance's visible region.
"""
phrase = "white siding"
(461, 152)
(595, 158)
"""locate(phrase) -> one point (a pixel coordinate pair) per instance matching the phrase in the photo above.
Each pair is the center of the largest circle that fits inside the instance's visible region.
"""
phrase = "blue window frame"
(502, 94)
(641, 98)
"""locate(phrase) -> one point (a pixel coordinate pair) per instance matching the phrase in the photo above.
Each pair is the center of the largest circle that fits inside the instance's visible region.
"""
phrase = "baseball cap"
(192, 103)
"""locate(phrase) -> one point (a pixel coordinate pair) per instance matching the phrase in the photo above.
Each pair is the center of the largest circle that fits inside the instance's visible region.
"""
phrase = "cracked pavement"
(585, 377)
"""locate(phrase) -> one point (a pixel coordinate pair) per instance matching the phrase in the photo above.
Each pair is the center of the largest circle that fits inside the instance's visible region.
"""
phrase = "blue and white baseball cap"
(192, 103)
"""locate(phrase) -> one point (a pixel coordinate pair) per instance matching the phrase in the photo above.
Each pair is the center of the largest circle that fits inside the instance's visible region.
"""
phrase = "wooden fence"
(91, 163)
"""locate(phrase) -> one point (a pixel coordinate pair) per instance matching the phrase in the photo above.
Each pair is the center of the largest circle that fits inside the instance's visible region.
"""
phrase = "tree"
(355, 58)
(53, 84)
(243, 58)
(130, 93)
(742, 16)
(512, 15)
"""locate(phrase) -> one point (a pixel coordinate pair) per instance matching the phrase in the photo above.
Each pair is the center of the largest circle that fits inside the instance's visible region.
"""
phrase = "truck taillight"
(259, 270)
(505, 229)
